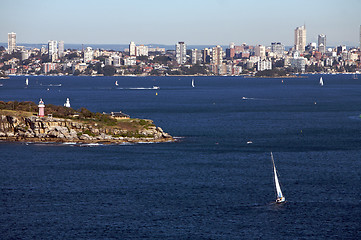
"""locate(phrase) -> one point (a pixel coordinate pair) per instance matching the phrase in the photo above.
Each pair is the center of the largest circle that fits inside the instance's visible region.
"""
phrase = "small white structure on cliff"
(41, 107)
(67, 103)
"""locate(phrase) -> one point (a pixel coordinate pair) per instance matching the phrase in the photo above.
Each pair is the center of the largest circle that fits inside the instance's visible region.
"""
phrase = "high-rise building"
(206, 55)
(53, 50)
(88, 54)
(181, 52)
(278, 49)
(196, 56)
(300, 39)
(141, 50)
(217, 55)
(260, 51)
(11, 42)
(322, 43)
(360, 37)
(132, 49)
(61, 49)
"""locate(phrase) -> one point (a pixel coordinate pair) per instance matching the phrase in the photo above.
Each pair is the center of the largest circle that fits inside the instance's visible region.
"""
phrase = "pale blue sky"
(168, 21)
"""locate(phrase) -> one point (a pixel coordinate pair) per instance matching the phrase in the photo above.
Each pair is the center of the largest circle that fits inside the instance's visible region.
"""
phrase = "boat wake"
(140, 88)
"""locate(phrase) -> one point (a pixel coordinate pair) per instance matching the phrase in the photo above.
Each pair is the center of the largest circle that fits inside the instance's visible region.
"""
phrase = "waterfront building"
(196, 56)
(264, 65)
(61, 49)
(278, 49)
(47, 67)
(116, 61)
(322, 43)
(132, 49)
(217, 55)
(11, 42)
(298, 62)
(141, 50)
(88, 54)
(53, 50)
(300, 39)
(181, 53)
(260, 51)
(360, 37)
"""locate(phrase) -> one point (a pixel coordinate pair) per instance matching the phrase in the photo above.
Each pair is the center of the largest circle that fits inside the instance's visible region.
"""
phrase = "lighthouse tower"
(41, 107)
(67, 103)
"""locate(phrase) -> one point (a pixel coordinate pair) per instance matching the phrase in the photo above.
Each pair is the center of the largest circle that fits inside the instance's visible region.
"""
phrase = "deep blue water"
(209, 185)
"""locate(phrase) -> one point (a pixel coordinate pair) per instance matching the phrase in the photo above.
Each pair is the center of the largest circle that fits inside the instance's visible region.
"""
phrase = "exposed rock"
(56, 129)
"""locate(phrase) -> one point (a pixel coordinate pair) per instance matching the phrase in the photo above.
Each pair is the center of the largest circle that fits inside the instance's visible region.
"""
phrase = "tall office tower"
(231, 45)
(360, 37)
(61, 49)
(300, 39)
(217, 55)
(322, 43)
(88, 54)
(132, 49)
(181, 52)
(260, 51)
(53, 50)
(11, 42)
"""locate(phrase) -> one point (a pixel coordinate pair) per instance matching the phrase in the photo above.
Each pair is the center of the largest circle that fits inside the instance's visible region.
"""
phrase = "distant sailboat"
(116, 83)
(192, 82)
(321, 81)
(27, 82)
(355, 76)
(280, 197)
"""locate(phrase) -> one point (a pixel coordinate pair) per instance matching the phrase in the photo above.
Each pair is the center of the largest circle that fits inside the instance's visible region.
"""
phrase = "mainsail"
(278, 187)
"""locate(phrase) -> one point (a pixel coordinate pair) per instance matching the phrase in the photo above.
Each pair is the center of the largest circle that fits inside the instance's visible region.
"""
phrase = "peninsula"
(28, 122)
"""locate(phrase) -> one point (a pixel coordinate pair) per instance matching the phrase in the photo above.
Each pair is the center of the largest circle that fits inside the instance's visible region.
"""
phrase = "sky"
(196, 22)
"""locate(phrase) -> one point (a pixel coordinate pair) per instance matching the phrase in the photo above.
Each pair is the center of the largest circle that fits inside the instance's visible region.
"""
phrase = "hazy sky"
(168, 21)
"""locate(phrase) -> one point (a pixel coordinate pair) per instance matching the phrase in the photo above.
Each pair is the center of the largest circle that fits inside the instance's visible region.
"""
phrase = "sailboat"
(27, 82)
(192, 82)
(280, 197)
(354, 76)
(116, 83)
(321, 81)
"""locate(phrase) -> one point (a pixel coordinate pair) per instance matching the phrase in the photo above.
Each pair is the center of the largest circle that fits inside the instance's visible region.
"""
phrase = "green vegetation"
(272, 73)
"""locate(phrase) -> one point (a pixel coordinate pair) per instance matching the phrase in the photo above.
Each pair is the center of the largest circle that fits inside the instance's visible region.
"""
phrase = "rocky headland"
(18, 125)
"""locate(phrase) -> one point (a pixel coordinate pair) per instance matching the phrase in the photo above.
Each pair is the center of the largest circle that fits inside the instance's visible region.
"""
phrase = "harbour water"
(211, 184)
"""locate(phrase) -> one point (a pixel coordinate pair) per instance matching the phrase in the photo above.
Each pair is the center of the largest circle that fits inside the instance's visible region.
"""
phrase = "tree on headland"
(109, 70)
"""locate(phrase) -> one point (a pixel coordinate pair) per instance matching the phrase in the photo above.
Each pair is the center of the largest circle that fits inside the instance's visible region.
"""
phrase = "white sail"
(278, 187)
(27, 82)
(321, 81)
(192, 82)
(116, 83)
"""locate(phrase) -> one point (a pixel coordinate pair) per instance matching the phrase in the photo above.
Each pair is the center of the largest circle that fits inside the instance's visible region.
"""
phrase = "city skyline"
(167, 22)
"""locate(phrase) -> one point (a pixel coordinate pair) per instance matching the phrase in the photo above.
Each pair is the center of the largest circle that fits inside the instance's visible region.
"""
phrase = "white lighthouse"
(41, 107)
(67, 103)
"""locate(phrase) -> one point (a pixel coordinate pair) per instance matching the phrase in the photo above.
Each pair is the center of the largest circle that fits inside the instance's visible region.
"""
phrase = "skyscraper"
(132, 51)
(217, 55)
(360, 37)
(300, 39)
(61, 49)
(11, 42)
(322, 43)
(181, 52)
(53, 50)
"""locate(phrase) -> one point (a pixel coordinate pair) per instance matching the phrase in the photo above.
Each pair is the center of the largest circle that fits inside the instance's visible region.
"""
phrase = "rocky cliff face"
(64, 130)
